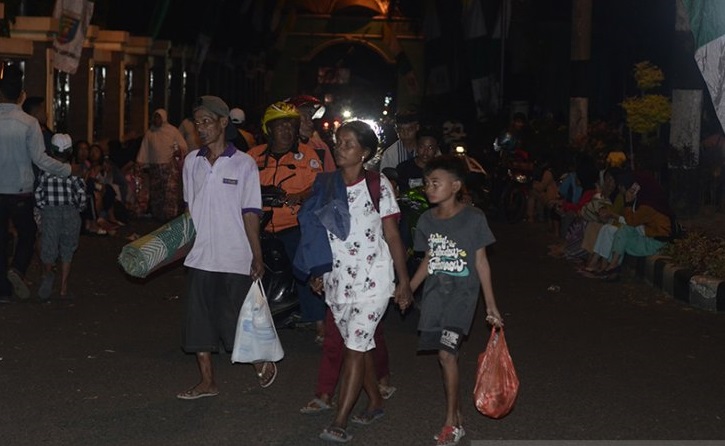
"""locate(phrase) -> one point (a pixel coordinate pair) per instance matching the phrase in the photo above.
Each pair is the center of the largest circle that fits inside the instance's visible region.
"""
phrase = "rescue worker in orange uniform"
(292, 166)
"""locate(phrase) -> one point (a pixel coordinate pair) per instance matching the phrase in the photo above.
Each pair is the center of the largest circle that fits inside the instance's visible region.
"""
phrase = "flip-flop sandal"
(193, 394)
(368, 417)
(386, 391)
(20, 288)
(335, 434)
(315, 406)
(449, 435)
(264, 383)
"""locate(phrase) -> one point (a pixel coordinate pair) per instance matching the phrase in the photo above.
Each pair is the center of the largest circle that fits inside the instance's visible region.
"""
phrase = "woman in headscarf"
(162, 149)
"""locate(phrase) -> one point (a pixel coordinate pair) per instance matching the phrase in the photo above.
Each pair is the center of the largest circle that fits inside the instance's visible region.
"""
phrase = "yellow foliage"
(645, 113)
(648, 75)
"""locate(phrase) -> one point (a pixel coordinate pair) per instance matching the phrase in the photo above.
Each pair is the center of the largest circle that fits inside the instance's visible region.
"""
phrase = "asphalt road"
(596, 360)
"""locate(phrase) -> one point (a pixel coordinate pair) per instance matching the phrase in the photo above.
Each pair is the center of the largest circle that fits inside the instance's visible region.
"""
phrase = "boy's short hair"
(406, 116)
(429, 131)
(11, 81)
(453, 164)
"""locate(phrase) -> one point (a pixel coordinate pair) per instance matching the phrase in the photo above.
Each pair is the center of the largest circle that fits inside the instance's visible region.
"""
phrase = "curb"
(703, 292)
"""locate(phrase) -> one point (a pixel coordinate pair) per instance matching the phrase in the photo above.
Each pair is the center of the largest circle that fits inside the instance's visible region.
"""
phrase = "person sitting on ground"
(60, 200)
(565, 210)
(544, 192)
(647, 220)
(81, 152)
(591, 214)
(99, 216)
(602, 214)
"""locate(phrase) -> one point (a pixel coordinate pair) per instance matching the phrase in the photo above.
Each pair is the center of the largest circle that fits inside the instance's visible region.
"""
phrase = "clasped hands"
(403, 296)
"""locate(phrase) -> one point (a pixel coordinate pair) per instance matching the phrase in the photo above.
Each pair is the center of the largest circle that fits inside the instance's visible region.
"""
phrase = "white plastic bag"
(256, 339)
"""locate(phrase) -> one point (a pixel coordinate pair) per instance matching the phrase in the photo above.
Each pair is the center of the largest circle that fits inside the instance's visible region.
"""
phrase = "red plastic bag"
(496, 382)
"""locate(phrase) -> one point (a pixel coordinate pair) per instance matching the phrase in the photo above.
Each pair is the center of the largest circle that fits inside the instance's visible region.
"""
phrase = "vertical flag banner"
(475, 42)
(707, 21)
(74, 17)
(436, 54)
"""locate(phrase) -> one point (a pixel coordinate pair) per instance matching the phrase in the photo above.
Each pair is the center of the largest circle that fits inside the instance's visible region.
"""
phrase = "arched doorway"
(350, 75)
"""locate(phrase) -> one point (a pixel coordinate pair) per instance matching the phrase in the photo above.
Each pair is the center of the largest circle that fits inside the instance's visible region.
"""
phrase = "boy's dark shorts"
(449, 339)
(212, 309)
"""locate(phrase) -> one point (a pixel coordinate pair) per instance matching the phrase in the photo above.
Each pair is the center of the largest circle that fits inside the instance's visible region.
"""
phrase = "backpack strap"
(372, 180)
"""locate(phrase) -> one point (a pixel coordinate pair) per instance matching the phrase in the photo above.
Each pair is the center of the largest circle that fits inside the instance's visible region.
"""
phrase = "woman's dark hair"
(454, 165)
(615, 173)
(364, 134)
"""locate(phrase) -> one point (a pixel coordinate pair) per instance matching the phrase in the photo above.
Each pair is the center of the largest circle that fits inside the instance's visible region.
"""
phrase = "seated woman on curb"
(567, 212)
(602, 216)
(647, 219)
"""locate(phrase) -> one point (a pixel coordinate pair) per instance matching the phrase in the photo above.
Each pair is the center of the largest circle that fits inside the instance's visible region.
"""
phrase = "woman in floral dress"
(361, 282)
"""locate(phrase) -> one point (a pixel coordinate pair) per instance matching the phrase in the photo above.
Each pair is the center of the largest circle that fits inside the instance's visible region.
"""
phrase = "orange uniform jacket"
(295, 171)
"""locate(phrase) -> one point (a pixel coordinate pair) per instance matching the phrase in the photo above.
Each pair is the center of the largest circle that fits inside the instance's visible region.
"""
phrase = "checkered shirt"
(56, 191)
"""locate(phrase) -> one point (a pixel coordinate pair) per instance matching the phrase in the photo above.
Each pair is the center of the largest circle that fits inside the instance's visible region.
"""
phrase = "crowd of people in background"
(211, 165)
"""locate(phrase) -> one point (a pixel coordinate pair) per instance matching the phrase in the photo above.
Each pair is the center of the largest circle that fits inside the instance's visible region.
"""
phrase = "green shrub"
(702, 254)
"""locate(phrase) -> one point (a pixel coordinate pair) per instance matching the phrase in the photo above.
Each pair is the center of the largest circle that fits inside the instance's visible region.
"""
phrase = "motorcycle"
(478, 181)
(514, 178)
(278, 281)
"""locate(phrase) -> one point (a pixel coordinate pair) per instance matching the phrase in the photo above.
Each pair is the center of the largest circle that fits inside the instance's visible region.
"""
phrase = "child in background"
(454, 237)
(60, 200)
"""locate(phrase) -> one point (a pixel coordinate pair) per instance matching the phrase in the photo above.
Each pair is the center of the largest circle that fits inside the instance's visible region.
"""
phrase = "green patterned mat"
(168, 243)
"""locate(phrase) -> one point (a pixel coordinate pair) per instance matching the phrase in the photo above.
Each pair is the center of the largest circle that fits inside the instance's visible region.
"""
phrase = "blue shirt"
(21, 146)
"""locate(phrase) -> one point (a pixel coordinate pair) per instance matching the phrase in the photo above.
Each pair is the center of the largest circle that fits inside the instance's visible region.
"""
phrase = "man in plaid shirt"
(60, 201)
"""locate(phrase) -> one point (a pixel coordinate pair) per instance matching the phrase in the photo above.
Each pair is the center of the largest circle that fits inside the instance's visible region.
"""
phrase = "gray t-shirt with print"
(452, 286)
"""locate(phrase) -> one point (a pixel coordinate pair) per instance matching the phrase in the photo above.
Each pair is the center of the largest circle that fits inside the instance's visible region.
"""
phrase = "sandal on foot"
(368, 416)
(335, 434)
(449, 435)
(386, 391)
(315, 406)
(20, 288)
(266, 379)
(194, 394)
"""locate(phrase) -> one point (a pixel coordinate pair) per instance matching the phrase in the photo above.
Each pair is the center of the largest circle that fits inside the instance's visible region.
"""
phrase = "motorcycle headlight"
(521, 178)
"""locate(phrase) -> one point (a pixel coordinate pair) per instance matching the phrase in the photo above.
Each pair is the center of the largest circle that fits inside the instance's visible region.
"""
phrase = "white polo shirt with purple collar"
(217, 196)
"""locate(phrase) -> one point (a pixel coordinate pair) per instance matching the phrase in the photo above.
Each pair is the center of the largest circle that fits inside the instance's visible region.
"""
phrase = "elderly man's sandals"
(335, 434)
(267, 374)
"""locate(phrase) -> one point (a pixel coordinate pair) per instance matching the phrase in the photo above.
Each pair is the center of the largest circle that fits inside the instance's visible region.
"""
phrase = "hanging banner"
(74, 17)
(708, 29)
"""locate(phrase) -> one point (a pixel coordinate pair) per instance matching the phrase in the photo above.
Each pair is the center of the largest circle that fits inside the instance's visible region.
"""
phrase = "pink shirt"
(217, 196)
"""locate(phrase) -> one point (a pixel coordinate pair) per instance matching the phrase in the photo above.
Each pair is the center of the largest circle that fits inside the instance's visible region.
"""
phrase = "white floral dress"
(362, 278)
